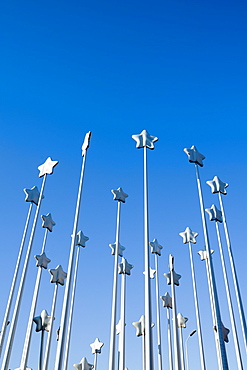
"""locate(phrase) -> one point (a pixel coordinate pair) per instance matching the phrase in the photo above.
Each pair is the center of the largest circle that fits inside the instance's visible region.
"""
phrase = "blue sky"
(177, 69)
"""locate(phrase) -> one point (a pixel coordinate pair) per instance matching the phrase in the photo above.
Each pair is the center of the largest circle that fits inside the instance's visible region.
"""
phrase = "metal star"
(194, 155)
(86, 143)
(217, 186)
(43, 322)
(144, 140)
(119, 195)
(176, 278)
(152, 272)
(188, 236)
(83, 365)
(58, 275)
(118, 327)
(27, 368)
(81, 239)
(167, 300)
(124, 267)
(47, 167)
(120, 249)
(48, 222)
(32, 195)
(96, 346)
(181, 321)
(155, 247)
(140, 326)
(225, 332)
(214, 213)
(42, 260)
(203, 254)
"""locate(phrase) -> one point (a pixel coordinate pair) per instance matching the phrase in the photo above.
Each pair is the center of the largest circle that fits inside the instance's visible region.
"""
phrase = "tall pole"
(181, 322)
(96, 350)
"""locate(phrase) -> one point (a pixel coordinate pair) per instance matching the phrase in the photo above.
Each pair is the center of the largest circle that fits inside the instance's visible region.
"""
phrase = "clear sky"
(176, 68)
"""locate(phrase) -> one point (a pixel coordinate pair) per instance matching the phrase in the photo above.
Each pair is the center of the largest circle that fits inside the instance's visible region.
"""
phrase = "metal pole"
(95, 360)
(186, 349)
(169, 338)
(122, 331)
(158, 314)
(182, 348)
(177, 358)
(41, 350)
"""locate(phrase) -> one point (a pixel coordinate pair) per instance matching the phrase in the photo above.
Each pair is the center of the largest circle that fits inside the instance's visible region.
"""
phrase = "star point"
(124, 267)
(96, 346)
(214, 213)
(188, 236)
(119, 195)
(155, 247)
(58, 275)
(48, 222)
(47, 167)
(120, 249)
(194, 156)
(144, 139)
(32, 195)
(217, 186)
(167, 300)
(42, 260)
(83, 365)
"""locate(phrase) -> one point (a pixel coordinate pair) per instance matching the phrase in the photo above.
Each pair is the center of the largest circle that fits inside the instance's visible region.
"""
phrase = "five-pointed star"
(176, 278)
(152, 272)
(120, 249)
(81, 239)
(43, 322)
(217, 186)
(47, 167)
(83, 365)
(96, 346)
(203, 254)
(167, 300)
(144, 140)
(194, 156)
(214, 213)
(155, 247)
(124, 267)
(182, 320)
(188, 236)
(86, 143)
(58, 275)
(42, 260)
(119, 194)
(48, 222)
(140, 326)
(32, 195)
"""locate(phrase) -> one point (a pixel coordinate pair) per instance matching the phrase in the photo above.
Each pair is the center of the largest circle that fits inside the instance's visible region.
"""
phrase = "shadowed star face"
(47, 167)
(217, 186)
(42, 260)
(225, 332)
(120, 249)
(203, 254)
(167, 300)
(81, 239)
(155, 247)
(182, 320)
(144, 140)
(96, 346)
(83, 365)
(214, 213)
(58, 275)
(119, 195)
(194, 156)
(32, 195)
(188, 236)
(48, 222)
(124, 267)
(176, 278)
(43, 322)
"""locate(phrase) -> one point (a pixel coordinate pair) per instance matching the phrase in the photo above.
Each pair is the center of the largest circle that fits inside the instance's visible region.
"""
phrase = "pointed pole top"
(86, 143)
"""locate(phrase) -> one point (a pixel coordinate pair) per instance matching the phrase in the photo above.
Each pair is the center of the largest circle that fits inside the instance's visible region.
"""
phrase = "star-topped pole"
(43, 323)
(181, 322)
(96, 349)
(83, 365)
(145, 140)
(167, 302)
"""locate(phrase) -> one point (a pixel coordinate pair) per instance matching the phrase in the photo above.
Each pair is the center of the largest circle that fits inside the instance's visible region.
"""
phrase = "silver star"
(203, 254)
(139, 325)
(225, 332)
(118, 327)
(58, 275)
(120, 249)
(20, 368)
(194, 155)
(181, 321)
(47, 167)
(167, 300)
(188, 236)
(48, 222)
(81, 239)
(42, 260)
(32, 195)
(176, 278)
(124, 267)
(144, 140)
(214, 213)
(155, 247)
(86, 143)
(96, 346)
(83, 365)
(119, 195)
(217, 186)
(152, 272)
(43, 322)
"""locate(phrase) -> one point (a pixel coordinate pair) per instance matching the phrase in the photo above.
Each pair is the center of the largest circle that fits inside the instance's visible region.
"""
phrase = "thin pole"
(95, 360)
(158, 313)
(234, 274)
(122, 331)
(186, 349)
(9, 345)
(198, 321)
(222, 358)
(177, 358)
(182, 348)
(12, 289)
(169, 338)
(41, 350)
(228, 294)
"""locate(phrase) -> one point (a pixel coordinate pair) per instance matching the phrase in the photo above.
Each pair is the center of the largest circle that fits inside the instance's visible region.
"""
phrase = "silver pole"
(169, 338)
(41, 349)
(122, 331)
(186, 349)
(158, 314)
(182, 348)
(95, 360)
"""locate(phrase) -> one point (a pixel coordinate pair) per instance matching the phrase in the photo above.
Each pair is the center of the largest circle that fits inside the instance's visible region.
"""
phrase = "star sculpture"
(120, 249)
(83, 365)
(32, 195)
(194, 156)
(176, 278)
(188, 236)
(203, 254)
(119, 195)
(145, 140)
(155, 247)
(48, 222)
(217, 186)
(167, 300)
(96, 346)
(58, 275)
(124, 267)
(47, 167)
(214, 213)
(81, 239)
(225, 332)
(86, 143)
(140, 326)
(43, 322)
(152, 272)
(42, 260)
(181, 321)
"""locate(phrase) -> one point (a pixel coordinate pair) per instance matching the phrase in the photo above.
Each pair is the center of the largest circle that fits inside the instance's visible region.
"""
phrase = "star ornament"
(182, 320)
(214, 213)
(58, 275)
(47, 167)
(83, 365)
(176, 278)
(139, 325)
(152, 272)
(43, 322)
(32, 195)
(119, 195)
(155, 247)
(144, 139)
(42, 260)
(194, 156)
(203, 254)
(86, 143)
(124, 267)
(96, 346)
(217, 186)
(188, 236)
(167, 300)
(81, 239)
(48, 222)
(120, 249)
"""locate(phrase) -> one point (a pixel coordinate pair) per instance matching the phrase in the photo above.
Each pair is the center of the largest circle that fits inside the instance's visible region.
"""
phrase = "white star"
(176, 278)
(188, 236)
(194, 155)
(203, 254)
(140, 326)
(155, 247)
(96, 346)
(58, 275)
(167, 300)
(119, 194)
(32, 195)
(181, 321)
(124, 267)
(47, 167)
(48, 222)
(42, 260)
(217, 186)
(43, 322)
(214, 213)
(86, 143)
(118, 327)
(120, 249)
(20, 368)
(81, 239)
(144, 140)
(83, 365)
(152, 272)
